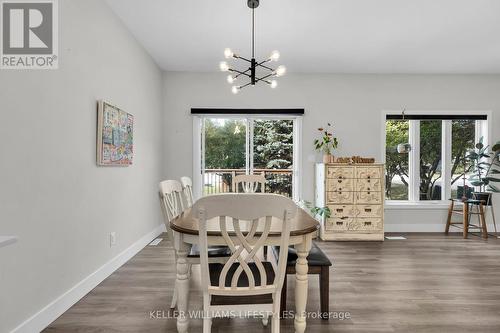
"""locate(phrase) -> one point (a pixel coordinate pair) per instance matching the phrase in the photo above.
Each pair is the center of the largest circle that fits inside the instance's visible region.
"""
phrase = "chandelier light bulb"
(275, 56)
(228, 53)
(235, 90)
(274, 84)
(280, 71)
(224, 67)
(230, 79)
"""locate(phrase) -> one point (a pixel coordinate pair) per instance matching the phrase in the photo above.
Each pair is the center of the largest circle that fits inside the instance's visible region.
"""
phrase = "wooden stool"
(466, 212)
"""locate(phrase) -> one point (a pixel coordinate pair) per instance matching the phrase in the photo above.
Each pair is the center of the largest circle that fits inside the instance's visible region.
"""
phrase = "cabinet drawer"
(368, 184)
(338, 224)
(366, 224)
(369, 210)
(368, 172)
(369, 197)
(340, 184)
(339, 211)
(340, 172)
(340, 197)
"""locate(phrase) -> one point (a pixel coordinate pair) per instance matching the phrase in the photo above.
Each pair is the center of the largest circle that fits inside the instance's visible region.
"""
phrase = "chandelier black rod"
(253, 33)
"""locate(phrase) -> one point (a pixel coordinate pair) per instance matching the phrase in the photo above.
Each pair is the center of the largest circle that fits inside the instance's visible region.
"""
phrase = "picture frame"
(115, 136)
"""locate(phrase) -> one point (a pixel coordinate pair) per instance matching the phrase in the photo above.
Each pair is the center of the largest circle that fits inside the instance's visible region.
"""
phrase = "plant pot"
(326, 158)
(483, 196)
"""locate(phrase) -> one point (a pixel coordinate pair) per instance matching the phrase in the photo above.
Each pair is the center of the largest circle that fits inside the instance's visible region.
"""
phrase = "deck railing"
(278, 181)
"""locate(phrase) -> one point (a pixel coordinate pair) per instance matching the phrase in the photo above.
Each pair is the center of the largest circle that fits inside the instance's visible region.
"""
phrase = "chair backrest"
(249, 183)
(187, 188)
(245, 222)
(171, 202)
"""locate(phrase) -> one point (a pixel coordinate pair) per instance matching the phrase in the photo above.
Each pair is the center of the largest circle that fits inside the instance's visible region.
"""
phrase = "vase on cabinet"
(328, 158)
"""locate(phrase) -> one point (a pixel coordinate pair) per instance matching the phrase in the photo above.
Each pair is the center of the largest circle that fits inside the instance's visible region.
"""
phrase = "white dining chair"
(172, 206)
(244, 284)
(249, 183)
(187, 188)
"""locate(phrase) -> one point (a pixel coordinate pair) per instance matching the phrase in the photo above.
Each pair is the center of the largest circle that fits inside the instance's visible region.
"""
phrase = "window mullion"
(446, 148)
(249, 148)
(414, 161)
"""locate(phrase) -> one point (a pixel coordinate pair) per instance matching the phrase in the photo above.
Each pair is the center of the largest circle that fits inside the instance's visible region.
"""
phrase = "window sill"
(400, 205)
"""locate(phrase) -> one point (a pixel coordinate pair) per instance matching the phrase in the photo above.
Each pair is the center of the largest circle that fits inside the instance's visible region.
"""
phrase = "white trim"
(61, 304)
(297, 159)
(446, 152)
(403, 205)
(403, 228)
(198, 138)
(414, 161)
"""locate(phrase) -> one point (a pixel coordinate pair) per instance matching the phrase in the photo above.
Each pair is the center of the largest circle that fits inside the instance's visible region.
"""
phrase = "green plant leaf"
(492, 179)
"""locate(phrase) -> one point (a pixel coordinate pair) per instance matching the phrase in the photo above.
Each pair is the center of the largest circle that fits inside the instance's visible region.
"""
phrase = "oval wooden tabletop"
(302, 224)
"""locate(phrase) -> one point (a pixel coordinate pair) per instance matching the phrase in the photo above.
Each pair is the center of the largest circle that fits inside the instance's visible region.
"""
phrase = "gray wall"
(52, 195)
(352, 102)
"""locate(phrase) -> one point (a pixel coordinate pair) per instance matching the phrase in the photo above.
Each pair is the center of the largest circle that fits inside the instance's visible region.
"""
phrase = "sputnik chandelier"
(251, 72)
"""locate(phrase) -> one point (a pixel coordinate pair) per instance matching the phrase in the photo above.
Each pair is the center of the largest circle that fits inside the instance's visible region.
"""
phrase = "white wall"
(52, 195)
(352, 102)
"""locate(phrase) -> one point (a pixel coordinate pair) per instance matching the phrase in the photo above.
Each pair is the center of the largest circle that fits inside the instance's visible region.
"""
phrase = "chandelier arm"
(266, 67)
(239, 72)
(264, 77)
(243, 86)
(263, 62)
(242, 58)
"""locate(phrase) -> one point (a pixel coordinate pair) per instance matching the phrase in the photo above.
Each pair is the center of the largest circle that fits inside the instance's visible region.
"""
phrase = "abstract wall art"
(115, 136)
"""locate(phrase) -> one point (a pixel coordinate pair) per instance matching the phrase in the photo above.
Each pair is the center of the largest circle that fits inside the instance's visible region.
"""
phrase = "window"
(435, 168)
(397, 173)
(430, 160)
(236, 145)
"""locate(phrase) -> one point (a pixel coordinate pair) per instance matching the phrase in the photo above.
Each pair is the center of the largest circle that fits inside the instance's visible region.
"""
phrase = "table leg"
(182, 282)
(466, 219)
(301, 269)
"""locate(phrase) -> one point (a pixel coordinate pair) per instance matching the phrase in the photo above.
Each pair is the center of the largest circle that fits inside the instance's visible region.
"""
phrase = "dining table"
(186, 234)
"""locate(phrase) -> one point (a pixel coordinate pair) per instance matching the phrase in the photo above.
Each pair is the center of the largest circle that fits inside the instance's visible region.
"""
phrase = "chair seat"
(316, 256)
(215, 270)
(213, 252)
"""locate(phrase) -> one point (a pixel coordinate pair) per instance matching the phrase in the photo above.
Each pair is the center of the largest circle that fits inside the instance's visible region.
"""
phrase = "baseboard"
(51, 312)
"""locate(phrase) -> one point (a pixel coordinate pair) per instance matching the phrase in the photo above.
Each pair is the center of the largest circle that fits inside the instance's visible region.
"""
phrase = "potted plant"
(326, 144)
(317, 212)
(485, 169)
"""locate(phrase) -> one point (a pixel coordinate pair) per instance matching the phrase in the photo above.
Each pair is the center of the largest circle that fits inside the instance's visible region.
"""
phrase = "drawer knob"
(368, 223)
(368, 210)
(340, 210)
(340, 223)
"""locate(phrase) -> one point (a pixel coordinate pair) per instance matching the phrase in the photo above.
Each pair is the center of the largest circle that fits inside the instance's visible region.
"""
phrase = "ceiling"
(334, 36)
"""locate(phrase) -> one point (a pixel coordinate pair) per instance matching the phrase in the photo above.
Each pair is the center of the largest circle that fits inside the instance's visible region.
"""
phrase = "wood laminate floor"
(427, 283)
